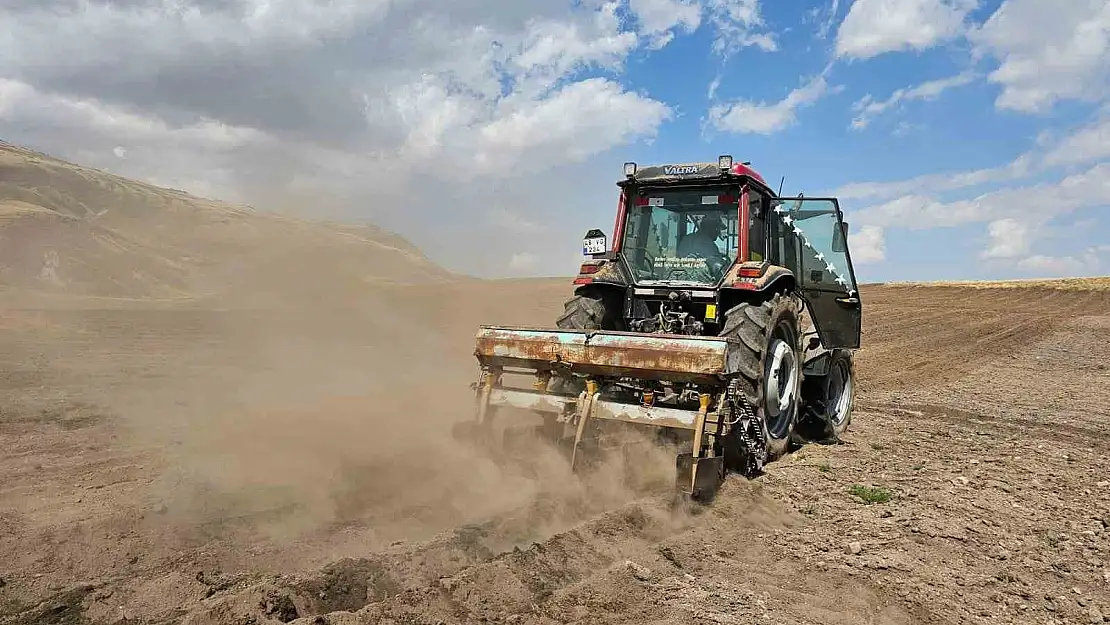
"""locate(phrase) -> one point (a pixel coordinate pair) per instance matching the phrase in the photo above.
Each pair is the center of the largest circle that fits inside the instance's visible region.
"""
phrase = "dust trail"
(295, 427)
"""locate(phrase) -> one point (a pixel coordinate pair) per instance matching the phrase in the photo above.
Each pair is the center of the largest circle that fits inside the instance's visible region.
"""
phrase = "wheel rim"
(839, 392)
(780, 383)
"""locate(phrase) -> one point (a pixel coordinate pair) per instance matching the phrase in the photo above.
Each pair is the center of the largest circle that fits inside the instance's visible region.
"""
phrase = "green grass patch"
(871, 495)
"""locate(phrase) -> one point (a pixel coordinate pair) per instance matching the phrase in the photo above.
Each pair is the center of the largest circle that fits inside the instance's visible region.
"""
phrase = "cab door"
(821, 264)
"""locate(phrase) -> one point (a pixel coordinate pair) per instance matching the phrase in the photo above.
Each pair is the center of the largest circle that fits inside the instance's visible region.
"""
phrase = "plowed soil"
(180, 462)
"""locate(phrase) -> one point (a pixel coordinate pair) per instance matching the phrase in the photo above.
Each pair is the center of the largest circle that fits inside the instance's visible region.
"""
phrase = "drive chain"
(750, 427)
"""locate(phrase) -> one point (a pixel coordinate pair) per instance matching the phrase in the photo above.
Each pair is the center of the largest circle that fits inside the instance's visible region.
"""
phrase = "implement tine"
(585, 407)
(599, 359)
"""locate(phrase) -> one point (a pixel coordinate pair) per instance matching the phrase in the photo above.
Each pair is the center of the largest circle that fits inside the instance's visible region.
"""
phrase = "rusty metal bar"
(656, 416)
(696, 359)
(529, 400)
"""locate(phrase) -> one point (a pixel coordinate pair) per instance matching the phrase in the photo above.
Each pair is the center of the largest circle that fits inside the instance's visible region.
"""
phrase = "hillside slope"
(69, 229)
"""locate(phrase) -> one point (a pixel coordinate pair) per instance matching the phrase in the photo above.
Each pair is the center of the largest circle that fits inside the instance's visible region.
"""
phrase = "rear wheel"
(770, 366)
(830, 398)
(589, 309)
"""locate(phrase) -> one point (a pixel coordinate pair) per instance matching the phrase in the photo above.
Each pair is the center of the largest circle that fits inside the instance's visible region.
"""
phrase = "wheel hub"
(781, 386)
(839, 393)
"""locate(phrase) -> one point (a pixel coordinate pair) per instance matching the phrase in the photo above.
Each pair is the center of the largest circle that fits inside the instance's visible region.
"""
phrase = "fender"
(602, 271)
(758, 276)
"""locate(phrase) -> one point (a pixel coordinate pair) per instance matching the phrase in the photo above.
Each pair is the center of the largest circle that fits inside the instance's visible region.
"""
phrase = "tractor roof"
(690, 172)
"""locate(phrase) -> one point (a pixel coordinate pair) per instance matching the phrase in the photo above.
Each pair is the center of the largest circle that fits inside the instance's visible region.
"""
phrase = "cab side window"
(757, 214)
(783, 244)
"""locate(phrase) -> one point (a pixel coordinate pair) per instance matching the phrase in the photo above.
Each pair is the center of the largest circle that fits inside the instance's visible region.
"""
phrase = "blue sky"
(831, 142)
(965, 138)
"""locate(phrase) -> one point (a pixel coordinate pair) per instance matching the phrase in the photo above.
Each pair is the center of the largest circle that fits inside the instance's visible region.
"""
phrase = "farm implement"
(723, 319)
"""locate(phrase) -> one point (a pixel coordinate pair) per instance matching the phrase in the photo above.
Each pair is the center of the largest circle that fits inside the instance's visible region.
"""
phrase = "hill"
(68, 229)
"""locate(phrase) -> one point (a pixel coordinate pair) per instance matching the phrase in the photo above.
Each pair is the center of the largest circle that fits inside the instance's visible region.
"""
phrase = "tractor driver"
(702, 243)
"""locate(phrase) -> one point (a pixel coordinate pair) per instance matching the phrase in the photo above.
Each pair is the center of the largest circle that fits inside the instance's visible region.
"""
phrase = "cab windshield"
(681, 235)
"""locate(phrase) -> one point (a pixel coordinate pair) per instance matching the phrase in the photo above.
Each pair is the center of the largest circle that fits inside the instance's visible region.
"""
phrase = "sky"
(965, 139)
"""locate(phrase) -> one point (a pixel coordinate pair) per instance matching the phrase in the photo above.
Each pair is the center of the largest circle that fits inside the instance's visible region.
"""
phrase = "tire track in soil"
(455, 576)
(1094, 437)
(925, 337)
(644, 562)
(1002, 468)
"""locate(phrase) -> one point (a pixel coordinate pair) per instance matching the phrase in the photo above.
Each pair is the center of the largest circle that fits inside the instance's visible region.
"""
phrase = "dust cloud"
(295, 422)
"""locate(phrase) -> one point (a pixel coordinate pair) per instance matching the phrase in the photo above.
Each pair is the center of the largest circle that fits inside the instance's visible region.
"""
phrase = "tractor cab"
(715, 234)
(681, 224)
(691, 322)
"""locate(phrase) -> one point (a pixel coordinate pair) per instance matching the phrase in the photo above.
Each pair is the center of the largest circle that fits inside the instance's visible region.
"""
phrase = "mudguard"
(606, 271)
(756, 276)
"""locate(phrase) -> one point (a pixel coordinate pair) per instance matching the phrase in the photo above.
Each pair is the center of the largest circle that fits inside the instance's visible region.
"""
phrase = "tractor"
(722, 316)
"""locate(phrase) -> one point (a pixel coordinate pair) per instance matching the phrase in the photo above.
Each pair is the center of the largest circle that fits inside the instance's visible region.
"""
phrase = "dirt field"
(211, 415)
(181, 463)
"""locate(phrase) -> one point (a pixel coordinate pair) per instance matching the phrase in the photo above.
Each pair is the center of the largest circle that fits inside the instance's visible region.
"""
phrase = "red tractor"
(722, 314)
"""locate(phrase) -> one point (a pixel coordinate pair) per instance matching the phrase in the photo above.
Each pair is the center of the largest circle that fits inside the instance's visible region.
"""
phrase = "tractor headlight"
(629, 169)
(724, 163)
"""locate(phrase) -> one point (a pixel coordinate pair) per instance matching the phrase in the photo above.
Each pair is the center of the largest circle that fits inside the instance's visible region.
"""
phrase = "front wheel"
(770, 365)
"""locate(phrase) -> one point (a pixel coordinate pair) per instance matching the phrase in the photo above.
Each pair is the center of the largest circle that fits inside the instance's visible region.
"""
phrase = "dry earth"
(270, 445)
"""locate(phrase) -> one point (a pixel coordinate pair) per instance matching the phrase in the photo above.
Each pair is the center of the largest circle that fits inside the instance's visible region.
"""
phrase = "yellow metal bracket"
(585, 407)
(699, 430)
(542, 381)
(491, 379)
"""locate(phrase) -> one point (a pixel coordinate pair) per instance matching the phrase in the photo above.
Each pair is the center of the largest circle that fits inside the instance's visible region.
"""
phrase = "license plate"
(593, 246)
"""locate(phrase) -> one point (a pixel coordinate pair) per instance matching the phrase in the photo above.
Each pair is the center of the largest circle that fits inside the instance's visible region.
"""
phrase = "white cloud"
(23, 103)
(868, 108)
(938, 183)
(429, 112)
(825, 15)
(739, 24)
(107, 33)
(196, 155)
(711, 93)
(513, 221)
(1009, 238)
(746, 116)
(404, 112)
(1018, 216)
(521, 262)
(1061, 266)
(874, 27)
(578, 121)
(1087, 144)
(554, 49)
(1032, 204)
(660, 18)
(1048, 51)
(868, 245)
